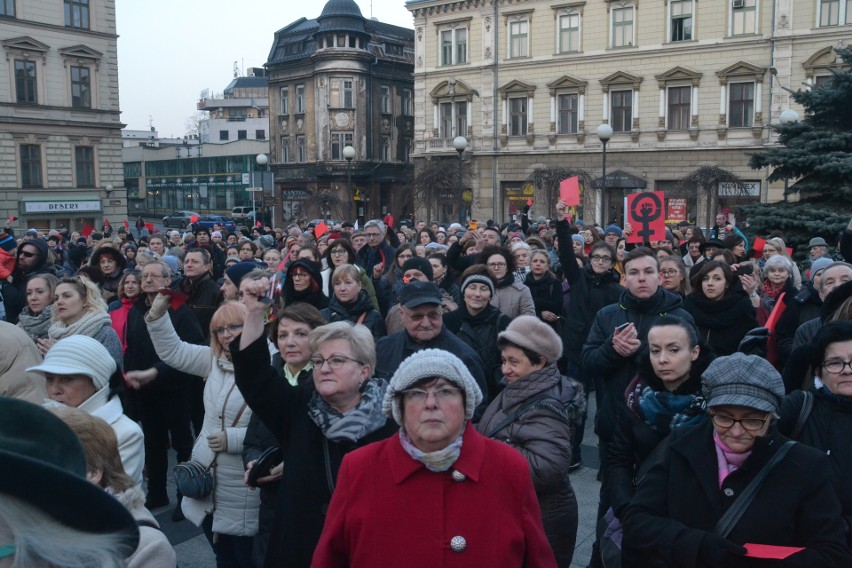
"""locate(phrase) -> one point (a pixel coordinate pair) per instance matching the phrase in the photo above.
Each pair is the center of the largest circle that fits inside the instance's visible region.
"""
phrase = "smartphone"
(622, 326)
(745, 269)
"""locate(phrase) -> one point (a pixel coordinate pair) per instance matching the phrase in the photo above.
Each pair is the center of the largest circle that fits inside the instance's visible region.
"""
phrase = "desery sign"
(60, 206)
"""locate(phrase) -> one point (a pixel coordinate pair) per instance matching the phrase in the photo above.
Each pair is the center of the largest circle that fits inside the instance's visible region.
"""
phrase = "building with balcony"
(60, 133)
(682, 83)
(241, 112)
(335, 81)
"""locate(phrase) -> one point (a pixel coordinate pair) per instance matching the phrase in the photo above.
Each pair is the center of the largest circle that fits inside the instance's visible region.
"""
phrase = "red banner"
(569, 191)
(677, 210)
(646, 214)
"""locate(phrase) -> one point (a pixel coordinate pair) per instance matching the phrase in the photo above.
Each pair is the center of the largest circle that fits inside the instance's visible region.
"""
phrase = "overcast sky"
(169, 50)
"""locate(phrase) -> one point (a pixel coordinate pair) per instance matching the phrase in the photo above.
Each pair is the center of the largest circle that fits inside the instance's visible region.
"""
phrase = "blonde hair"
(346, 270)
(359, 337)
(227, 314)
(88, 291)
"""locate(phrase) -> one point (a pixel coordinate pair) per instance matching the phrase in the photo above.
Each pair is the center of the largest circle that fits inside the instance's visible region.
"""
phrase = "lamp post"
(604, 134)
(788, 117)
(348, 155)
(263, 160)
(460, 144)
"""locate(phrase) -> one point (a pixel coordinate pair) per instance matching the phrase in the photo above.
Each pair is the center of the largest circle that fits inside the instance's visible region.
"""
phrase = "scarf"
(364, 419)
(119, 321)
(728, 460)
(90, 324)
(823, 391)
(36, 326)
(770, 294)
(663, 411)
(439, 461)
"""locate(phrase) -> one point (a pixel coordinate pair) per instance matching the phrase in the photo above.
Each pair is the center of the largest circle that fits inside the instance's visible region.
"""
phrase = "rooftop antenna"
(371, 9)
(236, 70)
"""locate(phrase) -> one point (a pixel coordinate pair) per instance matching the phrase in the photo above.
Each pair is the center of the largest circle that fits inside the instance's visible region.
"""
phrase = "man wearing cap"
(422, 317)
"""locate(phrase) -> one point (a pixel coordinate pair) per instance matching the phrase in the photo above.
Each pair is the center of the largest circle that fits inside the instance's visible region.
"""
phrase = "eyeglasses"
(419, 396)
(300, 275)
(247, 249)
(7, 550)
(26, 254)
(667, 273)
(497, 265)
(232, 329)
(338, 252)
(837, 366)
(599, 258)
(751, 424)
(153, 276)
(335, 361)
(373, 235)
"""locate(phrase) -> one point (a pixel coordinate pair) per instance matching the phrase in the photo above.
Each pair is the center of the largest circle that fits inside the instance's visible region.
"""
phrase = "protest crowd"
(406, 394)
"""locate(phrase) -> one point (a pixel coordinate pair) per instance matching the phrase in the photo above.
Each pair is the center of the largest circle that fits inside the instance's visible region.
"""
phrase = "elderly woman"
(51, 516)
(692, 508)
(777, 247)
(316, 425)
(537, 414)
(415, 499)
(512, 297)
(77, 371)
(228, 514)
(521, 252)
(351, 303)
(778, 273)
(36, 317)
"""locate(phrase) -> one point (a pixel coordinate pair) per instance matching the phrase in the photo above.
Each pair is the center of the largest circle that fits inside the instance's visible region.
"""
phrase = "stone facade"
(60, 141)
(682, 83)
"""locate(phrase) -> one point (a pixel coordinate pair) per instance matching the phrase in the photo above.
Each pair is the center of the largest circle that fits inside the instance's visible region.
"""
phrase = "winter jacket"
(154, 549)
(362, 306)
(17, 353)
(234, 506)
(724, 322)
(367, 257)
(546, 293)
(312, 460)
(449, 287)
(366, 284)
(543, 435)
(806, 305)
(313, 295)
(513, 298)
(204, 299)
(680, 500)
(479, 332)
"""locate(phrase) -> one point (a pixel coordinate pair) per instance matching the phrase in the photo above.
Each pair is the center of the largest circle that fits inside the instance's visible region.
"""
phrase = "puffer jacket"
(480, 333)
(513, 298)
(543, 434)
(235, 507)
(336, 311)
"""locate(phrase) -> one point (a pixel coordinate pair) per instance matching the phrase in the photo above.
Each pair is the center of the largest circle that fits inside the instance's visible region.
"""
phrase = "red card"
(646, 213)
(757, 245)
(320, 229)
(150, 227)
(178, 298)
(87, 230)
(770, 551)
(126, 224)
(106, 223)
(12, 219)
(569, 190)
(529, 202)
(193, 218)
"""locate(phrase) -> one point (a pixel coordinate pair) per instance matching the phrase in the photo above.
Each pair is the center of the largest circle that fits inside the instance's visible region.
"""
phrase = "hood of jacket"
(312, 268)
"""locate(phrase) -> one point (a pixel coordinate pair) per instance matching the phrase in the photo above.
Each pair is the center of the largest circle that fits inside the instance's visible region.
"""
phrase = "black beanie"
(419, 263)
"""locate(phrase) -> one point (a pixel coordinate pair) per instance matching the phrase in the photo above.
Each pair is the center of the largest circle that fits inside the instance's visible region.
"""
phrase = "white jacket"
(234, 506)
(131, 441)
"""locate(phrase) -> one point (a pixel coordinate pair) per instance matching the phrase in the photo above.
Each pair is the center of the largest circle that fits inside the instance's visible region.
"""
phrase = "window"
(301, 150)
(31, 166)
(678, 107)
(518, 116)
(740, 105)
(25, 81)
(680, 20)
(519, 38)
(386, 153)
(77, 14)
(835, 12)
(242, 134)
(81, 92)
(285, 101)
(453, 119)
(285, 149)
(84, 163)
(406, 103)
(300, 99)
(223, 135)
(567, 109)
(260, 134)
(569, 33)
(743, 17)
(339, 141)
(340, 95)
(622, 111)
(7, 8)
(405, 150)
(385, 99)
(822, 80)
(454, 46)
(622, 27)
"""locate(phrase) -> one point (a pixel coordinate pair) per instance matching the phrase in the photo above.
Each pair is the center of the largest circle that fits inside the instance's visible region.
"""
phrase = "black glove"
(755, 342)
(716, 552)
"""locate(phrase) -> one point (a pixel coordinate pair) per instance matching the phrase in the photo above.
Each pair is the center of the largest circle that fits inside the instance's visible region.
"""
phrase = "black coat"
(313, 295)
(805, 305)
(722, 323)
(480, 333)
(679, 501)
(353, 312)
(312, 461)
(546, 293)
(204, 299)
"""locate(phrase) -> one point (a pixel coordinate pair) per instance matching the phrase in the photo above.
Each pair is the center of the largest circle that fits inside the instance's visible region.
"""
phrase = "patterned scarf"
(36, 326)
(442, 460)
(90, 324)
(663, 411)
(364, 419)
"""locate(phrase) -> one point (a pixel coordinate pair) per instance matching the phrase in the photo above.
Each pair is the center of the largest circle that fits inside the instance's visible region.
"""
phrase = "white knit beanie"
(531, 333)
(79, 355)
(427, 364)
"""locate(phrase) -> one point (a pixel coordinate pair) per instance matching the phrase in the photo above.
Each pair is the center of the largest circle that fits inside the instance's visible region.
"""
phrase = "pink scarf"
(728, 460)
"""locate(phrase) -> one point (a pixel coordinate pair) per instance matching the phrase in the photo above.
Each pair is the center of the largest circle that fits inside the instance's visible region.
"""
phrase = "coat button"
(458, 476)
(458, 544)
(728, 492)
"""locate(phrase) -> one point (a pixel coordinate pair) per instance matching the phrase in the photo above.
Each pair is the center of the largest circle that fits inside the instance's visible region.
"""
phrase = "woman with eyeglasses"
(673, 276)
(303, 283)
(229, 514)
(338, 253)
(315, 424)
(690, 508)
(512, 297)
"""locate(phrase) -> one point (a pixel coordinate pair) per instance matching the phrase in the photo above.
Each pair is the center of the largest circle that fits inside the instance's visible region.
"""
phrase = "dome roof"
(341, 16)
(341, 8)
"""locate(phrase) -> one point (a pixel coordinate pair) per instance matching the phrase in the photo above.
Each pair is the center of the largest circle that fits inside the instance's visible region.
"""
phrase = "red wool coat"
(389, 511)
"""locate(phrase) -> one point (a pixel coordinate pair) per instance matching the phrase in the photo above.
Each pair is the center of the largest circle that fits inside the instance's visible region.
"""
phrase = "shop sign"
(748, 189)
(676, 210)
(61, 206)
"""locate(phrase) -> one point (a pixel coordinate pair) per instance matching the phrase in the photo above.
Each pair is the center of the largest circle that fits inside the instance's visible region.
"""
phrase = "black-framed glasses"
(725, 421)
(600, 258)
(233, 329)
(335, 361)
(669, 273)
(497, 265)
(300, 275)
(338, 252)
(836, 366)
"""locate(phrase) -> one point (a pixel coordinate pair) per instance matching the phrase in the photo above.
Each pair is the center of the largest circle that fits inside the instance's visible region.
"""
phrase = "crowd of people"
(416, 395)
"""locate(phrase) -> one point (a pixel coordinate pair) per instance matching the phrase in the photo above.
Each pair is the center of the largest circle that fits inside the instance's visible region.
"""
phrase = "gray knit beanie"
(481, 279)
(531, 333)
(426, 364)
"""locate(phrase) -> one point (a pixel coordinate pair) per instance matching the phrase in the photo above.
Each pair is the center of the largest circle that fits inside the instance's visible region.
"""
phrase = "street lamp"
(788, 117)
(460, 144)
(604, 134)
(263, 160)
(349, 154)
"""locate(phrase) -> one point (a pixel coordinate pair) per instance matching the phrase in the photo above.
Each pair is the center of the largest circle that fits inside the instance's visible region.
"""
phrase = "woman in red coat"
(439, 494)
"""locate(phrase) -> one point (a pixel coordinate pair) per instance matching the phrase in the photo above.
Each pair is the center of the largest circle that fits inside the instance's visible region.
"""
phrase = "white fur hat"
(79, 355)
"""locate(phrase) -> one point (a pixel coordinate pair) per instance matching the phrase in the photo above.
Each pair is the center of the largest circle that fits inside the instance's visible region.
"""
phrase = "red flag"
(569, 190)
(757, 245)
(771, 323)
(87, 230)
(193, 218)
(320, 229)
(126, 224)
(12, 219)
(150, 227)
(106, 223)
(646, 212)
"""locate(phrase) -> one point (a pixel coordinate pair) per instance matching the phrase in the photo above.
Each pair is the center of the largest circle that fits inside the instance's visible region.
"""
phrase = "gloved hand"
(218, 442)
(717, 552)
(159, 307)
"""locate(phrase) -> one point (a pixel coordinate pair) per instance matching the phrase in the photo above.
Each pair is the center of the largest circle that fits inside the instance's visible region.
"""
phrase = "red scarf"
(119, 322)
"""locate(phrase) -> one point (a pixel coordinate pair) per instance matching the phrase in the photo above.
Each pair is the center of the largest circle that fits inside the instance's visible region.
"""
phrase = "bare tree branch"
(704, 183)
(547, 181)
